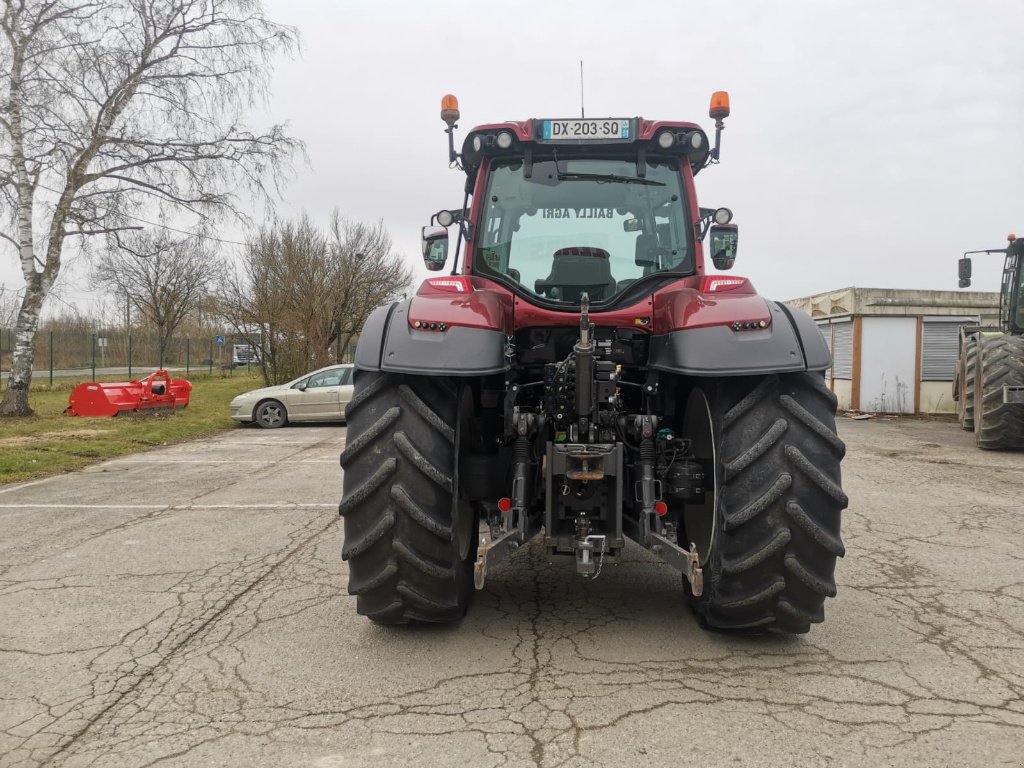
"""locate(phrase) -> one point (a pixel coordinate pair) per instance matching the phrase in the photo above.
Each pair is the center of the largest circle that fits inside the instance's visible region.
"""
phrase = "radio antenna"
(582, 112)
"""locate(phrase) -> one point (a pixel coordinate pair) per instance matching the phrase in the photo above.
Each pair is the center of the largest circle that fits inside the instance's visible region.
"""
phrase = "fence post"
(129, 356)
(188, 349)
(51, 358)
(211, 358)
(94, 357)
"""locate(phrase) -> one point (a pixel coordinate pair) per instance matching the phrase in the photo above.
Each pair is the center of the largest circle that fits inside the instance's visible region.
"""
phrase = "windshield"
(583, 226)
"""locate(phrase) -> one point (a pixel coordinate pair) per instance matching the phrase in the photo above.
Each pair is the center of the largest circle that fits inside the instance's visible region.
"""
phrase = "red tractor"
(580, 375)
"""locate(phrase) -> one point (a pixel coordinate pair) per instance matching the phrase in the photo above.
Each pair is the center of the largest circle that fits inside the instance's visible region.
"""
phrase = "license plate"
(582, 130)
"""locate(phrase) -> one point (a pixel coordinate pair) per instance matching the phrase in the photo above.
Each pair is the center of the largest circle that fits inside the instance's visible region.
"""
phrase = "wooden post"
(917, 364)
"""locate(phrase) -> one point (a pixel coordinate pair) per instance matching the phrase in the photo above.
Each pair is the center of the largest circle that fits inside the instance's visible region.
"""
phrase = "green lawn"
(51, 442)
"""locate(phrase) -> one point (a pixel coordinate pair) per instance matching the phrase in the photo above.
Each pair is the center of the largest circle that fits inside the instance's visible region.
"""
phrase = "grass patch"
(50, 442)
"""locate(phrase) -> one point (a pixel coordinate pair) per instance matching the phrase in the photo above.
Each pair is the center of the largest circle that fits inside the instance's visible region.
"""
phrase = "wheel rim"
(700, 520)
(271, 415)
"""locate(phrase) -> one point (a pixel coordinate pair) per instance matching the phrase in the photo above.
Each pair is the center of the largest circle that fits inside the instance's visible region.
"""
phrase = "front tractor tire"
(410, 538)
(777, 505)
(998, 426)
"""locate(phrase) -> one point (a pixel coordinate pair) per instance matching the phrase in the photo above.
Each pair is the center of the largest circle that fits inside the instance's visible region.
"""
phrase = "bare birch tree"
(114, 106)
(165, 277)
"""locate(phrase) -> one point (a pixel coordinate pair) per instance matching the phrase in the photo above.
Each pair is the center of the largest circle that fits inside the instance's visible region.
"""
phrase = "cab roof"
(544, 137)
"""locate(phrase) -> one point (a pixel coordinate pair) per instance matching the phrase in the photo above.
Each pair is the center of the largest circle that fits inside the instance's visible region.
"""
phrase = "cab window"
(579, 226)
(331, 378)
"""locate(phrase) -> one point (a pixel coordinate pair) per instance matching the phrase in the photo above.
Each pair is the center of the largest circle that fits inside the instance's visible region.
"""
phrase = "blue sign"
(219, 340)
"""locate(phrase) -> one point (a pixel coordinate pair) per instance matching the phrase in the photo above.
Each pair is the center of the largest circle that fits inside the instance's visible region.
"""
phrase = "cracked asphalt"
(187, 606)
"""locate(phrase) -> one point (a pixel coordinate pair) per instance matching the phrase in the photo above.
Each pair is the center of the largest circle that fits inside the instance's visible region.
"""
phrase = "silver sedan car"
(318, 396)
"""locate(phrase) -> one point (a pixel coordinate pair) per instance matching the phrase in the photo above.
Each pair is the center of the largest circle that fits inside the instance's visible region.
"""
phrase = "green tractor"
(989, 383)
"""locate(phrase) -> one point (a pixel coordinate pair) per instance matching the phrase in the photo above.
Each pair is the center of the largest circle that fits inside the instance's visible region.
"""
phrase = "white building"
(895, 351)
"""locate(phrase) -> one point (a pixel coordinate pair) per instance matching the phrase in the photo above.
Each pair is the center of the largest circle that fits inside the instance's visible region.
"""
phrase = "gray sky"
(870, 142)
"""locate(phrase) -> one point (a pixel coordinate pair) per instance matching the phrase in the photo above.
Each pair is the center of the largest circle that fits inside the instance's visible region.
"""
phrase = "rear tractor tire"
(775, 516)
(966, 376)
(410, 537)
(998, 426)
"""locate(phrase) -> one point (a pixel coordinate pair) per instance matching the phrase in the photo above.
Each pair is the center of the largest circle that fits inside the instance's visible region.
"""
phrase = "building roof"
(899, 301)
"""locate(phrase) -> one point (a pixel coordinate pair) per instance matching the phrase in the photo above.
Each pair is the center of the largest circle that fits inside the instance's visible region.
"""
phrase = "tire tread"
(397, 501)
(780, 502)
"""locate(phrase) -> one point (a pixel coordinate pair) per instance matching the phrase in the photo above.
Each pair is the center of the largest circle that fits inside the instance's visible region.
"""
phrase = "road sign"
(219, 340)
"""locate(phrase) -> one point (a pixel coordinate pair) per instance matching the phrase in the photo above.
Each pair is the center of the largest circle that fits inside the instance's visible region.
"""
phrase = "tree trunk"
(15, 400)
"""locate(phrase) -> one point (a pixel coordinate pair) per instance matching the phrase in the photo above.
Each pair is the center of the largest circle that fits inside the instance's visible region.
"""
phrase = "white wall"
(887, 364)
(843, 389)
(937, 397)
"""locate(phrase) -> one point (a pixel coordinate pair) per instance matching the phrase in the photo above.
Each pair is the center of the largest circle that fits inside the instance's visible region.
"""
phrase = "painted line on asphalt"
(273, 444)
(164, 460)
(199, 507)
(29, 484)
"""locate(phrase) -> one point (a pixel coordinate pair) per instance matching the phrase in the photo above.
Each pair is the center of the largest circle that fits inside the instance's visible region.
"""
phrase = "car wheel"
(271, 414)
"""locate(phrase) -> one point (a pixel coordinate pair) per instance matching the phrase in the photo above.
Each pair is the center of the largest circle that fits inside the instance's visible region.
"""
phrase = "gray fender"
(792, 342)
(388, 343)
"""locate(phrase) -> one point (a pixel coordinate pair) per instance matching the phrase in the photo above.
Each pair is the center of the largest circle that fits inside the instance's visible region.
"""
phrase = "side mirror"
(964, 269)
(435, 247)
(723, 245)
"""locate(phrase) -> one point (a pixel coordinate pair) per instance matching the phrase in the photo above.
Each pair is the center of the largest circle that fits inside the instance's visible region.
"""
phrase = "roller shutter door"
(842, 350)
(940, 348)
(826, 331)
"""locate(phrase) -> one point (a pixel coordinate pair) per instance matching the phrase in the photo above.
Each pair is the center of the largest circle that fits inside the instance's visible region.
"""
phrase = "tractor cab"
(565, 207)
(1011, 294)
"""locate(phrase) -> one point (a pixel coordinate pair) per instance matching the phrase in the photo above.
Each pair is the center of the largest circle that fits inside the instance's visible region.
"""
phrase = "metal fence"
(119, 353)
(73, 353)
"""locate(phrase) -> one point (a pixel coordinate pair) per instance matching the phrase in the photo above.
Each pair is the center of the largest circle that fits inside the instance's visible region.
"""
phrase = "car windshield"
(583, 226)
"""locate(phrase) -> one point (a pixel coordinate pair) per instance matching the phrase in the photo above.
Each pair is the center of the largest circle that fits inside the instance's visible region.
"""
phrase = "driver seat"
(578, 270)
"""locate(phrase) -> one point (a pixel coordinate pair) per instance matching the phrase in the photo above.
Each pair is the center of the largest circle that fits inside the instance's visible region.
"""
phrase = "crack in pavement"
(263, 661)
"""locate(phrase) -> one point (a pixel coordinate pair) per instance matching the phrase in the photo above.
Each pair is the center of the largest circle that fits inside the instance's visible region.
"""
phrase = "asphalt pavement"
(187, 607)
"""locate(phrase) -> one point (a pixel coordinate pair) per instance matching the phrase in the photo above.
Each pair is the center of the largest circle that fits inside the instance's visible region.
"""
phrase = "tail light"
(719, 284)
(451, 284)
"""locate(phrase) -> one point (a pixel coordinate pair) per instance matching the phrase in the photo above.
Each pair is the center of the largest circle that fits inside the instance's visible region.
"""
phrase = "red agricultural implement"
(157, 391)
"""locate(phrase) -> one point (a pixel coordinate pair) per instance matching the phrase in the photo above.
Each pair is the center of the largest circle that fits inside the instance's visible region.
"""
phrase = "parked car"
(318, 396)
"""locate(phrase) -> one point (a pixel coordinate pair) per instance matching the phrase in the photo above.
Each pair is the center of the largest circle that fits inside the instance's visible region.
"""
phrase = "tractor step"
(1013, 394)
